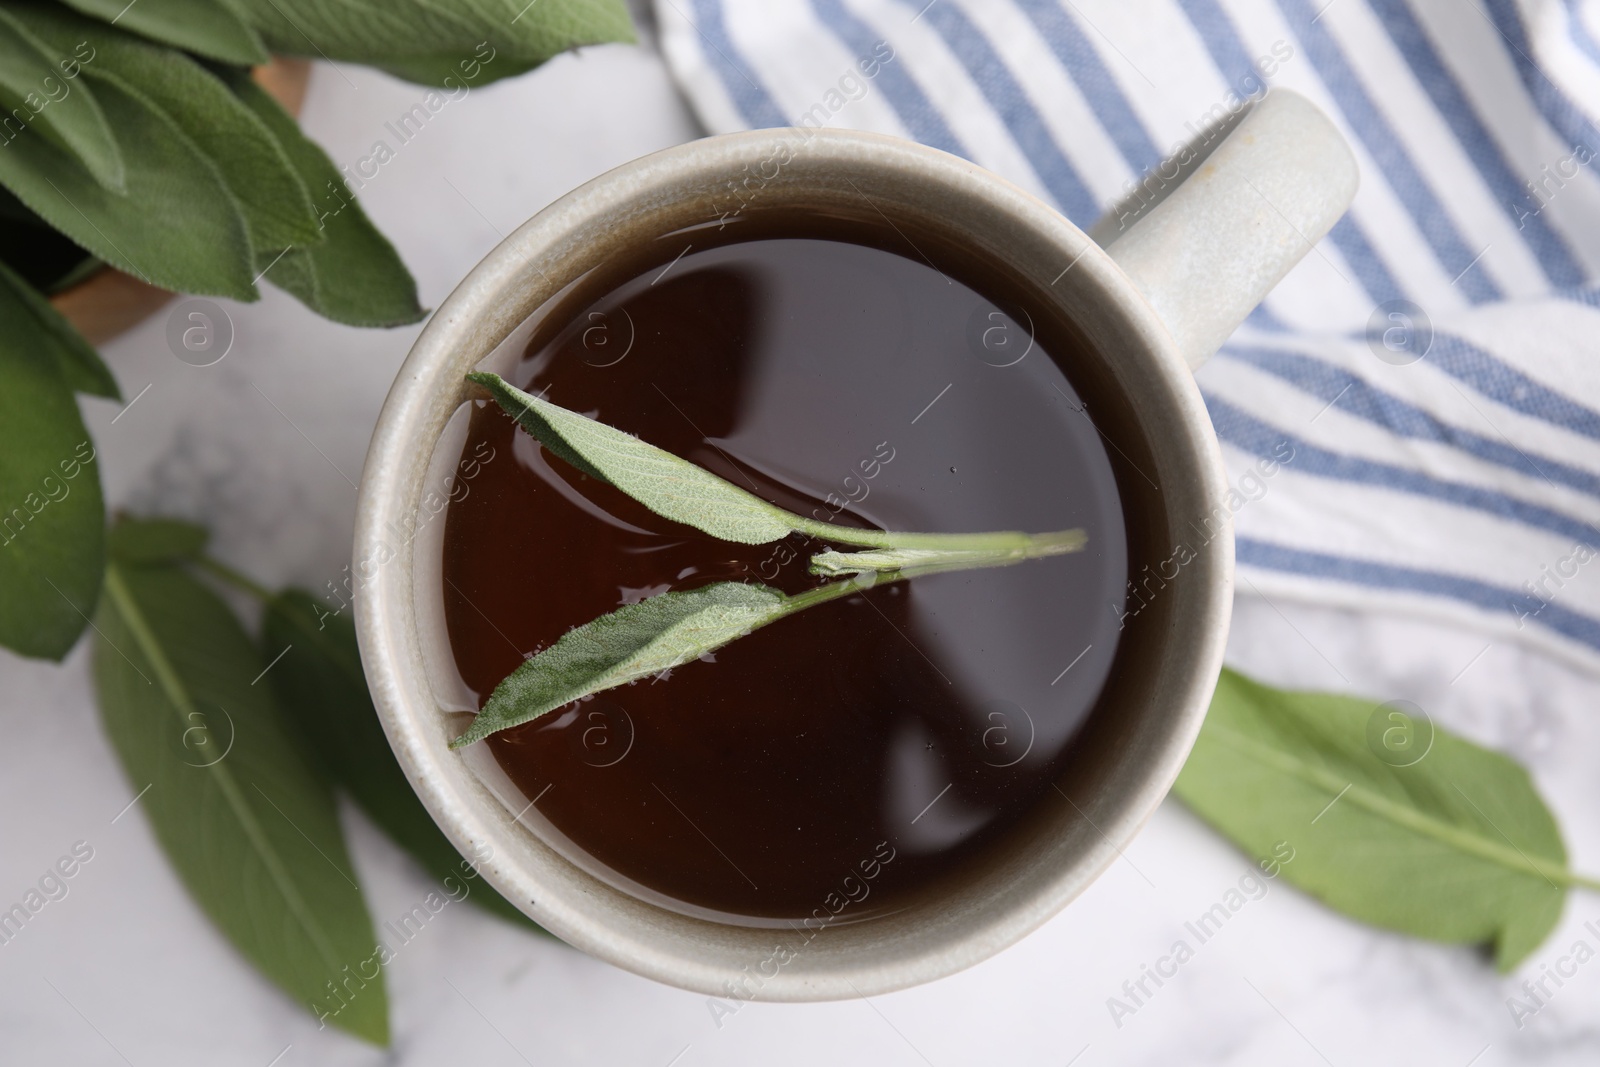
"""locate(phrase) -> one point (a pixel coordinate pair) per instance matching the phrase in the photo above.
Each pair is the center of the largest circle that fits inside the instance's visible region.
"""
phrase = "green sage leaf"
(681, 491)
(47, 95)
(633, 642)
(80, 365)
(671, 487)
(526, 35)
(277, 207)
(176, 226)
(936, 560)
(211, 28)
(1445, 840)
(232, 798)
(86, 267)
(438, 42)
(155, 542)
(321, 687)
(52, 517)
(355, 276)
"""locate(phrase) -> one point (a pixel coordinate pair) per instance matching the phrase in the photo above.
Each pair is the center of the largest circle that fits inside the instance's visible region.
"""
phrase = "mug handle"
(1208, 253)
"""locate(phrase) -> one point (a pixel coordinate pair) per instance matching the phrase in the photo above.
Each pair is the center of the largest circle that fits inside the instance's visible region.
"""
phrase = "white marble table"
(264, 447)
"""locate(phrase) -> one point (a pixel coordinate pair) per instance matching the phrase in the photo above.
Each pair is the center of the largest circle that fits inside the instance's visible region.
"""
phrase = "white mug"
(1153, 304)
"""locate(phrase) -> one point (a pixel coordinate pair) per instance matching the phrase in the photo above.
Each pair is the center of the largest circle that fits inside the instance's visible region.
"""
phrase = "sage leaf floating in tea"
(930, 561)
(642, 640)
(1452, 842)
(666, 631)
(671, 487)
(633, 642)
(677, 489)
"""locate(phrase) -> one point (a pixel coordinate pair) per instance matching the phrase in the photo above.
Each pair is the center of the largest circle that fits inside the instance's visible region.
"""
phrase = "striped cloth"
(1464, 483)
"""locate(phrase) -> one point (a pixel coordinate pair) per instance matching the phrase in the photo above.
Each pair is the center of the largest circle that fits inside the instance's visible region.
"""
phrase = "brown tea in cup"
(857, 752)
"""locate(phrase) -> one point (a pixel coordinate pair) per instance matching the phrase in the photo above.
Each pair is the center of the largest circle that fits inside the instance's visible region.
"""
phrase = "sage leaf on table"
(677, 489)
(176, 225)
(429, 40)
(276, 205)
(355, 276)
(322, 689)
(149, 542)
(233, 800)
(52, 526)
(1456, 846)
(75, 123)
(210, 28)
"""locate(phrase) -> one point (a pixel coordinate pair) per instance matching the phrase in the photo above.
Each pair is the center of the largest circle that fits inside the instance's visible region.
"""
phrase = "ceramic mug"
(1176, 277)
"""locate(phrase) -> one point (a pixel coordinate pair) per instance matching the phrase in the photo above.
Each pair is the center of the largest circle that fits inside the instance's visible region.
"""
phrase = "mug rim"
(490, 303)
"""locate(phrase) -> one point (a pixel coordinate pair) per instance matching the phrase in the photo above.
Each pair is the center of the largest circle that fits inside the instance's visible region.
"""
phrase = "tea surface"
(883, 738)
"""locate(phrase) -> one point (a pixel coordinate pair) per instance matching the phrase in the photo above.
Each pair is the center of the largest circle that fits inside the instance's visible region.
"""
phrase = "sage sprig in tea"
(665, 631)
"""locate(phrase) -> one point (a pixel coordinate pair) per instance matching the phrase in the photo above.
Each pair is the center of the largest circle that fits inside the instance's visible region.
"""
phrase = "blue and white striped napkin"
(1464, 483)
